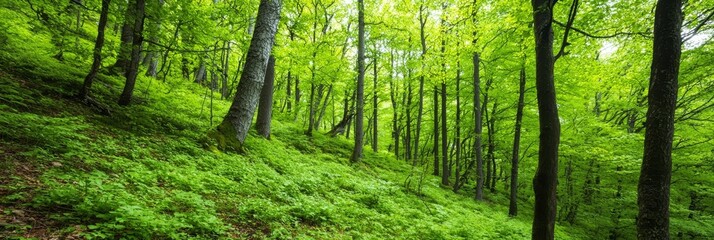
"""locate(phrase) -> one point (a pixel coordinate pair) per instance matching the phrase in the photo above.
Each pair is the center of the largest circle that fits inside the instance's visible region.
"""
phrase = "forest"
(354, 119)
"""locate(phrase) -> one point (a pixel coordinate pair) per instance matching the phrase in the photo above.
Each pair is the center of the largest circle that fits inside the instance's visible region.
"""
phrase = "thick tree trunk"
(445, 170)
(513, 206)
(97, 53)
(236, 123)
(545, 181)
(265, 106)
(133, 67)
(359, 121)
(478, 130)
(656, 172)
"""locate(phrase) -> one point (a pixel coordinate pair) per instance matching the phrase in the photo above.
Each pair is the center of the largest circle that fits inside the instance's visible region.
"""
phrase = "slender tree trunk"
(436, 132)
(457, 137)
(311, 117)
(236, 123)
(513, 206)
(656, 172)
(408, 137)
(265, 106)
(126, 38)
(289, 94)
(133, 67)
(477, 126)
(152, 57)
(445, 169)
(545, 182)
(396, 130)
(359, 131)
(97, 53)
(375, 107)
(422, 36)
(492, 146)
(324, 106)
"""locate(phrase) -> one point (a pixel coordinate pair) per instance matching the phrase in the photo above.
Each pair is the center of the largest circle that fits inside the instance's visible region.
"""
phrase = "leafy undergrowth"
(149, 172)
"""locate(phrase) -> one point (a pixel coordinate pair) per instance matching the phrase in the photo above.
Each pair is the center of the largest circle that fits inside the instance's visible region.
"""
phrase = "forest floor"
(148, 171)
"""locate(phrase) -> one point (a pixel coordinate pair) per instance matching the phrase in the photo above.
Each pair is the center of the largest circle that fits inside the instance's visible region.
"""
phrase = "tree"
(513, 204)
(127, 36)
(477, 126)
(132, 68)
(545, 181)
(234, 127)
(656, 172)
(359, 120)
(97, 53)
(265, 106)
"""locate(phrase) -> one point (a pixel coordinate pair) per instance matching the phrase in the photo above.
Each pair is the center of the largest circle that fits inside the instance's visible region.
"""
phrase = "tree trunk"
(492, 146)
(477, 126)
(97, 53)
(457, 137)
(375, 107)
(436, 132)
(445, 170)
(656, 172)
(236, 123)
(513, 206)
(289, 95)
(265, 107)
(133, 68)
(311, 117)
(152, 57)
(359, 131)
(422, 36)
(396, 130)
(545, 181)
(127, 34)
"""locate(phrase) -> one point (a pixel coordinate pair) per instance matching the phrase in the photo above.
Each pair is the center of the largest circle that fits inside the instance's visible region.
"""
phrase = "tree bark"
(236, 123)
(513, 206)
(422, 37)
(265, 106)
(126, 38)
(132, 68)
(97, 53)
(375, 107)
(436, 131)
(445, 170)
(477, 127)
(359, 121)
(545, 182)
(656, 172)
(457, 137)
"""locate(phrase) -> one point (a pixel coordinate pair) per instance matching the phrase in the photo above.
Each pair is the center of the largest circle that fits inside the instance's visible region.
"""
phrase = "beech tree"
(656, 172)
(234, 128)
(545, 181)
(359, 118)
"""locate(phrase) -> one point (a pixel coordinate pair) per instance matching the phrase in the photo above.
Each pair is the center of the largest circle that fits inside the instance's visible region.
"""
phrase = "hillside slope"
(148, 171)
